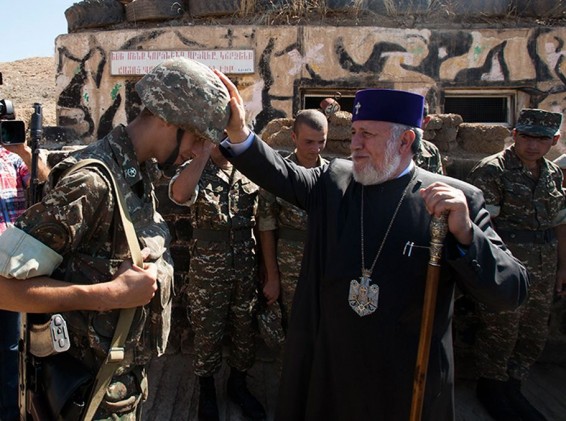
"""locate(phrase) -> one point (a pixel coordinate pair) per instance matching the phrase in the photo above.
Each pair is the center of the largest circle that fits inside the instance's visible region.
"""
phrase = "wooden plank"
(173, 390)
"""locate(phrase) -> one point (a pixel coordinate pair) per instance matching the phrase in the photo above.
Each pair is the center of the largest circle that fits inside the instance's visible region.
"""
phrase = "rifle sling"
(116, 351)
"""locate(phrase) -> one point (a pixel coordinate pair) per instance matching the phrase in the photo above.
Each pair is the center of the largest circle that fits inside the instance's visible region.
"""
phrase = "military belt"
(222, 235)
(527, 236)
(291, 234)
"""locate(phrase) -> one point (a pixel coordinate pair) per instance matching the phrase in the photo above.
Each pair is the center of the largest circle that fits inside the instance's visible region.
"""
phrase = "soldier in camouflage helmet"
(72, 252)
(524, 195)
(283, 226)
(222, 274)
(428, 156)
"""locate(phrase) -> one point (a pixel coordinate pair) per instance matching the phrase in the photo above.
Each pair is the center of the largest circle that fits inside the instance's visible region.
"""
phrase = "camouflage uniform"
(428, 157)
(291, 225)
(223, 269)
(86, 230)
(527, 211)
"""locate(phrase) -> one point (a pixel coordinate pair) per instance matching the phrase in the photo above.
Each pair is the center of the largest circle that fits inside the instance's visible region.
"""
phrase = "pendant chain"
(367, 272)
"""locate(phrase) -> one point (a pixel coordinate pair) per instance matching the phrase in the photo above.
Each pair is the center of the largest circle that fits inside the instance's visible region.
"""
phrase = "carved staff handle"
(439, 229)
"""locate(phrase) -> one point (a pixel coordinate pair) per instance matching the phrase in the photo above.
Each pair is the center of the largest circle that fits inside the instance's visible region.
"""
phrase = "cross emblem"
(357, 107)
(131, 172)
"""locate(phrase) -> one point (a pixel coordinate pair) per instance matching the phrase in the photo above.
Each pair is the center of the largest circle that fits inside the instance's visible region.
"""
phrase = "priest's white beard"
(372, 174)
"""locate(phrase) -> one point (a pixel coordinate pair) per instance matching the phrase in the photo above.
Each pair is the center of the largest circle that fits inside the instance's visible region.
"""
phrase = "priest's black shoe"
(239, 393)
(526, 410)
(493, 396)
(207, 406)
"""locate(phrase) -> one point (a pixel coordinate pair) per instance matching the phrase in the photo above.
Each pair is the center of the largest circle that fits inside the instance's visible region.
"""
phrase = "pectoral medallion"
(363, 297)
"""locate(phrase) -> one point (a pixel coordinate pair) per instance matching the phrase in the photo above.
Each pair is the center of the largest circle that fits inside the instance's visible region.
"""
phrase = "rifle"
(29, 403)
(36, 131)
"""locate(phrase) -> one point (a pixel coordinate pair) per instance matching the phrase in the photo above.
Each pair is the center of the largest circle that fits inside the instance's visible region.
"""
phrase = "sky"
(29, 27)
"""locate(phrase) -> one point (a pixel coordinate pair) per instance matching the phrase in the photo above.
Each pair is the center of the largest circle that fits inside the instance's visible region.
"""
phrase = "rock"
(482, 138)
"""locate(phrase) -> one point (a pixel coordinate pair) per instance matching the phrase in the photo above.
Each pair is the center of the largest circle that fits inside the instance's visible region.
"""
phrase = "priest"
(353, 335)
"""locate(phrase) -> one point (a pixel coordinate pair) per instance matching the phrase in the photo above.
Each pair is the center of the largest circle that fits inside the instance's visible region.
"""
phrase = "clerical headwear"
(390, 105)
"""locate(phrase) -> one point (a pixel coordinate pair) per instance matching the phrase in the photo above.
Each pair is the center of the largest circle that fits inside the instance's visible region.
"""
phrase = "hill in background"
(28, 81)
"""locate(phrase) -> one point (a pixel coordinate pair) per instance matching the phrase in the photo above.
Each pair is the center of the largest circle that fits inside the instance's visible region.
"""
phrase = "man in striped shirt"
(15, 164)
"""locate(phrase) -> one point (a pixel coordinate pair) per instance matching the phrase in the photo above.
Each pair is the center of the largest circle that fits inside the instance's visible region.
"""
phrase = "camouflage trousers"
(222, 305)
(289, 258)
(509, 342)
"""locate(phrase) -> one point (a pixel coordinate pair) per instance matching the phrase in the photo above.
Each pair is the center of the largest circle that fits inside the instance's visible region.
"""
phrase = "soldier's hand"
(204, 151)
(439, 198)
(133, 286)
(236, 128)
(271, 290)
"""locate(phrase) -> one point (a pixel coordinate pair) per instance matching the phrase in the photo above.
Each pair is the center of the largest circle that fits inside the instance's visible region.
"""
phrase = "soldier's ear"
(294, 138)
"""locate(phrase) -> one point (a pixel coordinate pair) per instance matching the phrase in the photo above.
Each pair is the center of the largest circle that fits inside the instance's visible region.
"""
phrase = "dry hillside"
(28, 81)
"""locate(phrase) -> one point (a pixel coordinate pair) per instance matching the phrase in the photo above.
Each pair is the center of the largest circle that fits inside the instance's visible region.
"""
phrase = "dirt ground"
(27, 81)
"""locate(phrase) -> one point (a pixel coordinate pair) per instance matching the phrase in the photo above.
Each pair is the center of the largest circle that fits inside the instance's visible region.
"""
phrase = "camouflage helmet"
(188, 94)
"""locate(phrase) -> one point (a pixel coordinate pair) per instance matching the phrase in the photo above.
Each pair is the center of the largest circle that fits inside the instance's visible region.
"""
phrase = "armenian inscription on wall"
(140, 62)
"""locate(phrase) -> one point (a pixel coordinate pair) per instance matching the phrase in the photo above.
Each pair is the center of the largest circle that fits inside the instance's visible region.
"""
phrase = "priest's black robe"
(338, 365)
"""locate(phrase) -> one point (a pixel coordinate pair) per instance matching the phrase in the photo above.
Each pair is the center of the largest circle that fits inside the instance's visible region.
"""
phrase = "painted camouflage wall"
(290, 59)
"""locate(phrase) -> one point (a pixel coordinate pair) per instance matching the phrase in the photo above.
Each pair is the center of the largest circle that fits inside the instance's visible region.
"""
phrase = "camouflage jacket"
(78, 219)
(428, 157)
(225, 201)
(275, 213)
(514, 198)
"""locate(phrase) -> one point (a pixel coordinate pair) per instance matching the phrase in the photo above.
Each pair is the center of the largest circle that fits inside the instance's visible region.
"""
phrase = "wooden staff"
(438, 228)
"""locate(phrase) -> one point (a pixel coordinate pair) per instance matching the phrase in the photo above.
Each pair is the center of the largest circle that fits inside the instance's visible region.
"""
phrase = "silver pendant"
(363, 297)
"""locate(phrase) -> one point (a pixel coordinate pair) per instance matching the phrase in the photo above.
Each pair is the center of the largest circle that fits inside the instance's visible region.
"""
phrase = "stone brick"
(482, 138)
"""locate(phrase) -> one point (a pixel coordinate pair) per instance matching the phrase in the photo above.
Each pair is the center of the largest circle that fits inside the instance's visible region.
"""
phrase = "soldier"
(222, 275)
(524, 195)
(282, 226)
(561, 162)
(73, 237)
(428, 156)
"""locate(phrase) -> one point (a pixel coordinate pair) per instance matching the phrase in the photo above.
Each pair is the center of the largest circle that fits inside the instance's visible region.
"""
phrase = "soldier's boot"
(238, 391)
(493, 396)
(207, 406)
(522, 406)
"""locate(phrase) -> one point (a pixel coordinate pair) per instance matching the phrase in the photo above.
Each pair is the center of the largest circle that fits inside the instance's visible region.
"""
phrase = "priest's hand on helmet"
(236, 129)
